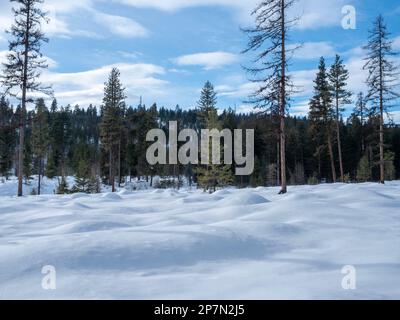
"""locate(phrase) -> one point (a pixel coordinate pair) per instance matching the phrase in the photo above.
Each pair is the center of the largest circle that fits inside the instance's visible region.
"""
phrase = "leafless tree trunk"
(23, 105)
(331, 156)
(339, 141)
(282, 107)
(40, 175)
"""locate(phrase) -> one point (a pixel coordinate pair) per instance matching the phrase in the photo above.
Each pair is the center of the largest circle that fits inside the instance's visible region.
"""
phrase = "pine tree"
(62, 186)
(40, 137)
(27, 161)
(211, 176)
(321, 111)
(338, 77)
(51, 170)
(7, 137)
(390, 170)
(206, 104)
(271, 71)
(364, 170)
(111, 125)
(382, 77)
(94, 185)
(24, 62)
(60, 138)
(361, 112)
(82, 178)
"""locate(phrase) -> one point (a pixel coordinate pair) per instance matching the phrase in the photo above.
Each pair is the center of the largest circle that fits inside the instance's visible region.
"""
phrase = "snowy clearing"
(234, 244)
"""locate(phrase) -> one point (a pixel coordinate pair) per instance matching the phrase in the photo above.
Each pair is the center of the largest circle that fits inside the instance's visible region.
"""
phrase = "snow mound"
(222, 192)
(79, 195)
(111, 196)
(157, 191)
(93, 226)
(244, 199)
(124, 192)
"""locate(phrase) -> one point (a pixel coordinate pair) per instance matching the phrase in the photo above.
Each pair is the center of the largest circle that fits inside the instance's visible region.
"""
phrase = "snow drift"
(234, 244)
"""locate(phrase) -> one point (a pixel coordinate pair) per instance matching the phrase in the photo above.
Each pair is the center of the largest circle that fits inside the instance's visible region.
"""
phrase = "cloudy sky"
(167, 49)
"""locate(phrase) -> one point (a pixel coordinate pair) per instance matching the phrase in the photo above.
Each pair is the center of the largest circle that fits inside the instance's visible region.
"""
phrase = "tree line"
(109, 143)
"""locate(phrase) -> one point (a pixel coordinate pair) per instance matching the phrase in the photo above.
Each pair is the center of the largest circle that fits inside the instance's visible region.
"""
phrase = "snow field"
(233, 244)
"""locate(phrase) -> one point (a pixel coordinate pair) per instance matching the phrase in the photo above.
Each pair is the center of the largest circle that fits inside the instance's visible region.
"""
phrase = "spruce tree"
(206, 104)
(7, 137)
(211, 176)
(60, 138)
(24, 62)
(382, 79)
(321, 111)
(27, 161)
(94, 184)
(62, 186)
(111, 125)
(338, 77)
(390, 170)
(51, 170)
(82, 178)
(40, 137)
(364, 170)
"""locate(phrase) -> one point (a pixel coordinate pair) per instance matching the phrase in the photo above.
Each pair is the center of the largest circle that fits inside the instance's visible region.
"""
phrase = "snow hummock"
(233, 244)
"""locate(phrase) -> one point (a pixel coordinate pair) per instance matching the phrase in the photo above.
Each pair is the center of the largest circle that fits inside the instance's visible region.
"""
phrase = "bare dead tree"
(24, 63)
(270, 73)
(382, 79)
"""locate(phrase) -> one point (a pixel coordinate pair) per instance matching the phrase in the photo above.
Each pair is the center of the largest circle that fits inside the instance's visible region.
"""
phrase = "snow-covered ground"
(234, 244)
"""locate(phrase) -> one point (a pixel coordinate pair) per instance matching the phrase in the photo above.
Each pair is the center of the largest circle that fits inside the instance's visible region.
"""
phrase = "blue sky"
(167, 49)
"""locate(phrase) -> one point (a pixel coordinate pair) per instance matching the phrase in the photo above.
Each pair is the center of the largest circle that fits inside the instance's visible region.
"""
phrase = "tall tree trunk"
(381, 146)
(119, 163)
(339, 140)
(319, 163)
(362, 129)
(21, 147)
(331, 157)
(278, 163)
(282, 108)
(23, 104)
(40, 174)
(381, 141)
(111, 171)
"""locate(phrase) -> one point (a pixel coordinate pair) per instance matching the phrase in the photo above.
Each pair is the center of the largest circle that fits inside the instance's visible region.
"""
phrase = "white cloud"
(396, 43)
(247, 108)
(129, 55)
(318, 14)
(300, 109)
(312, 50)
(86, 87)
(242, 90)
(60, 11)
(51, 62)
(121, 26)
(395, 116)
(303, 80)
(5, 18)
(172, 5)
(313, 13)
(62, 6)
(208, 60)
